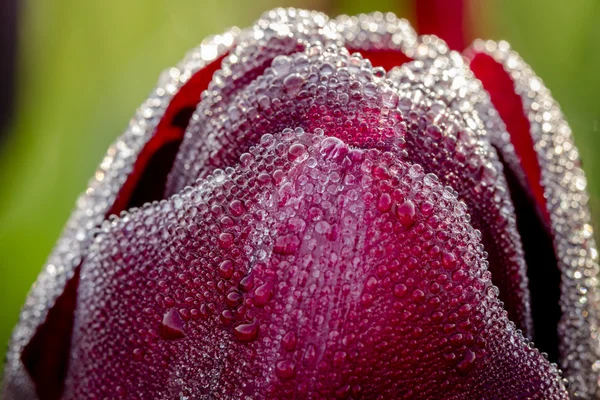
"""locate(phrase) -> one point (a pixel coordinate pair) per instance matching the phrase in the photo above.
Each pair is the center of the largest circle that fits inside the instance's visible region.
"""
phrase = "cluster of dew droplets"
(327, 88)
(376, 31)
(449, 139)
(309, 269)
(442, 76)
(321, 88)
(278, 32)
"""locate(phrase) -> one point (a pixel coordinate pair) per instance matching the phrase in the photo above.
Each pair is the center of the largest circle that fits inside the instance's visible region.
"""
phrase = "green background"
(84, 67)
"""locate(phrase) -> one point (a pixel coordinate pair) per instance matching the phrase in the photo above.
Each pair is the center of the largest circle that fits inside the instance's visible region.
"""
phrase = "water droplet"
(226, 317)
(172, 325)
(281, 65)
(467, 363)
(138, 354)
(326, 69)
(310, 356)
(285, 369)
(448, 260)
(234, 298)
(296, 225)
(450, 358)
(246, 160)
(333, 148)
(338, 358)
(366, 299)
(406, 213)
(289, 341)
(246, 332)
(385, 202)
(456, 339)
(263, 294)
(287, 244)
(426, 208)
(459, 275)
(437, 316)
(418, 295)
(434, 132)
(430, 179)
(236, 208)
(297, 151)
(247, 283)
(226, 269)
(400, 290)
(225, 240)
(371, 283)
(292, 83)
(322, 227)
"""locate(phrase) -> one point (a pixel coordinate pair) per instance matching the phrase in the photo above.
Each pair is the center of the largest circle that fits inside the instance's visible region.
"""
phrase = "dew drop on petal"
(400, 290)
(234, 299)
(292, 83)
(246, 332)
(226, 269)
(287, 244)
(297, 151)
(448, 260)
(468, 362)
(225, 240)
(310, 356)
(281, 65)
(263, 294)
(285, 369)
(385, 202)
(289, 341)
(172, 324)
(236, 208)
(406, 213)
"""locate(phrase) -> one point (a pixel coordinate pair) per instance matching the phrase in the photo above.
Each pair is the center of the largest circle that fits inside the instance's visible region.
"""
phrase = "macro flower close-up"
(319, 207)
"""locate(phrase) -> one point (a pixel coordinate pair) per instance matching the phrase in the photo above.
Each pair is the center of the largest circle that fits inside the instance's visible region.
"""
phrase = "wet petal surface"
(41, 337)
(555, 188)
(327, 88)
(311, 269)
(442, 81)
(352, 256)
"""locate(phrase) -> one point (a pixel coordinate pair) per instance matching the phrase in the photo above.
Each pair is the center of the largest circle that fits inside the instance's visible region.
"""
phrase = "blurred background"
(73, 72)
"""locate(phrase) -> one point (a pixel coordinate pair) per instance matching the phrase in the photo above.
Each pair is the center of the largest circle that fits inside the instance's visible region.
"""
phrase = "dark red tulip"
(315, 208)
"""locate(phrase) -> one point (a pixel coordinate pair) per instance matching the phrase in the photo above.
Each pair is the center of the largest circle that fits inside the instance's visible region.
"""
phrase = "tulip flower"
(325, 208)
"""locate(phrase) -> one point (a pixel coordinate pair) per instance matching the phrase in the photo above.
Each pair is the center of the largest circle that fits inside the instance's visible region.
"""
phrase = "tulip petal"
(383, 39)
(323, 87)
(311, 269)
(36, 358)
(278, 32)
(394, 40)
(146, 181)
(447, 19)
(443, 76)
(327, 88)
(543, 142)
(510, 107)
